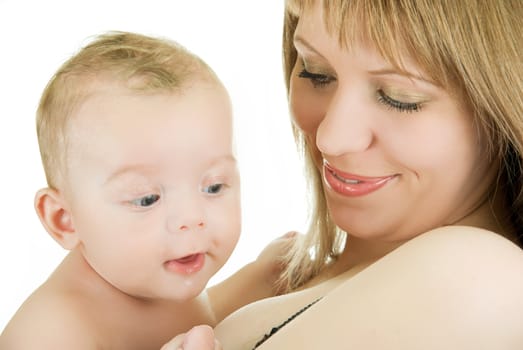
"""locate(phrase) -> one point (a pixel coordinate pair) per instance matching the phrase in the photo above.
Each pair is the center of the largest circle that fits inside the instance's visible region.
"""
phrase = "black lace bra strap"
(277, 328)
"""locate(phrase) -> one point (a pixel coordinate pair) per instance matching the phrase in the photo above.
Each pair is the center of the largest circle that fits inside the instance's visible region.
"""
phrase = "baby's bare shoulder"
(47, 321)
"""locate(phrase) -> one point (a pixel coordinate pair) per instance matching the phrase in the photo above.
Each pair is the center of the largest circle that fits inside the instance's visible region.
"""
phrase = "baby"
(135, 135)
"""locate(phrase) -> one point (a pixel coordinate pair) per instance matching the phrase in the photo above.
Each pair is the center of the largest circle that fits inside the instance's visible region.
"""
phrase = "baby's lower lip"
(186, 265)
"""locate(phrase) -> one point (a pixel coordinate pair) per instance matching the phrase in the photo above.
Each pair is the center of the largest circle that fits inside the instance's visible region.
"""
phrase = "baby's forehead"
(107, 87)
(132, 170)
(113, 108)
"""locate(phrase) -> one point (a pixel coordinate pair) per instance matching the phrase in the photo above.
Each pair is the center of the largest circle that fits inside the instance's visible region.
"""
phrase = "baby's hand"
(271, 259)
(198, 338)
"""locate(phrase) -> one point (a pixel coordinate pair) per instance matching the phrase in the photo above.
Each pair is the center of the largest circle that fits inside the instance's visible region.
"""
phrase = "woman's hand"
(198, 338)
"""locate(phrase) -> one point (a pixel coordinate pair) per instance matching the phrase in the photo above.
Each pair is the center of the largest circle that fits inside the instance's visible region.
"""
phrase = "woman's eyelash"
(398, 105)
(317, 80)
(320, 80)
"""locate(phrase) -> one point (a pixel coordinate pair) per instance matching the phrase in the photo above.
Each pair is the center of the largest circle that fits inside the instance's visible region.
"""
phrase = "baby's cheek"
(229, 224)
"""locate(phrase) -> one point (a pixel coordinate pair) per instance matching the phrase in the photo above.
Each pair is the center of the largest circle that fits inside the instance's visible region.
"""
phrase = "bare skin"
(367, 308)
(430, 261)
(74, 289)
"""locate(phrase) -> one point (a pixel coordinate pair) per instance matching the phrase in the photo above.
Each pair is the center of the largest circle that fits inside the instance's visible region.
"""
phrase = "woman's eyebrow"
(385, 70)
(304, 43)
(403, 73)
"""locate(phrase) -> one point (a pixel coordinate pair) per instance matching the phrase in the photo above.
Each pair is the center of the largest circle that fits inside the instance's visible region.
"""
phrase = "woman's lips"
(352, 185)
(187, 265)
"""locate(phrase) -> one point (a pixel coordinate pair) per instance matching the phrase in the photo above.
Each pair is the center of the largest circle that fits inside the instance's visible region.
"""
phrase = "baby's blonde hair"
(472, 48)
(140, 63)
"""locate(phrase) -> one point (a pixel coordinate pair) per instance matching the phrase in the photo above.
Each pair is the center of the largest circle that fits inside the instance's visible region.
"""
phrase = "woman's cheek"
(307, 107)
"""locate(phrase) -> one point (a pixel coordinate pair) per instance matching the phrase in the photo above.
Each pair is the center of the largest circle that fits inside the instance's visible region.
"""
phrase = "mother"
(410, 117)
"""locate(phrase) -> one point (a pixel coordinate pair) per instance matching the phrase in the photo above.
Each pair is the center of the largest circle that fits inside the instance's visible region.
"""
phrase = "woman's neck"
(490, 214)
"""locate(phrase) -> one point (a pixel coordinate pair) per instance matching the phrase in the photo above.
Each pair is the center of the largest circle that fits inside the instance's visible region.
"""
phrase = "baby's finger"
(199, 338)
(175, 343)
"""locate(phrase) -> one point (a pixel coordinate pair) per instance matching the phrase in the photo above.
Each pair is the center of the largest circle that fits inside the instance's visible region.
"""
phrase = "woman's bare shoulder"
(477, 274)
(466, 256)
(467, 239)
(474, 237)
(470, 251)
(453, 287)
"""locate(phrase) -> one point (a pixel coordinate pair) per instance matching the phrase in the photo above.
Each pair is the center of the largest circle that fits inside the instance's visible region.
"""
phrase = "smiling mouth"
(350, 185)
(186, 265)
(187, 259)
(347, 181)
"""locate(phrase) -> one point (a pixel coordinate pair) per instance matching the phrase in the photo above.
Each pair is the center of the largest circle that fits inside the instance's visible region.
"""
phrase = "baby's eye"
(146, 201)
(213, 189)
(317, 80)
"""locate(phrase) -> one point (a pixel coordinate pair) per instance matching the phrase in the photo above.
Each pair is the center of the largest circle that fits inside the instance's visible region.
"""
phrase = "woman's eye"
(398, 105)
(146, 201)
(317, 80)
(213, 189)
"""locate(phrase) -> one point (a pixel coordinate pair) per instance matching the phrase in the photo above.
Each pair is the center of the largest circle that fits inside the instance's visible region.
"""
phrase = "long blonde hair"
(472, 48)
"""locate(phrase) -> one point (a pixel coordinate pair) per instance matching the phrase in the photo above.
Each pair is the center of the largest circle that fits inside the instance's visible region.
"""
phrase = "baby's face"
(154, 188)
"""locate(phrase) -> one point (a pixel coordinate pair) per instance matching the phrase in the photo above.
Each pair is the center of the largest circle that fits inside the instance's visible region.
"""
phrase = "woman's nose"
(346, 126)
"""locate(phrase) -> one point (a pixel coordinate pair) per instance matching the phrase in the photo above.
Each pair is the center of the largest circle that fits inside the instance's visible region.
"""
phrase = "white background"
(240, 39)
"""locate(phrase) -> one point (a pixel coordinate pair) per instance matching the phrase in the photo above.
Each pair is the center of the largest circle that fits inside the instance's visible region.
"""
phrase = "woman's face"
(398, 155)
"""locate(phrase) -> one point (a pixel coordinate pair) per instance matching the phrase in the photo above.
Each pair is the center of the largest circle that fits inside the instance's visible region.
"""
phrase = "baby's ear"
(54, 214)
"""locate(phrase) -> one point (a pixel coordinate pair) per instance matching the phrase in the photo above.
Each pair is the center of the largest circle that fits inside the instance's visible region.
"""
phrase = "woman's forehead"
(387, 27)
